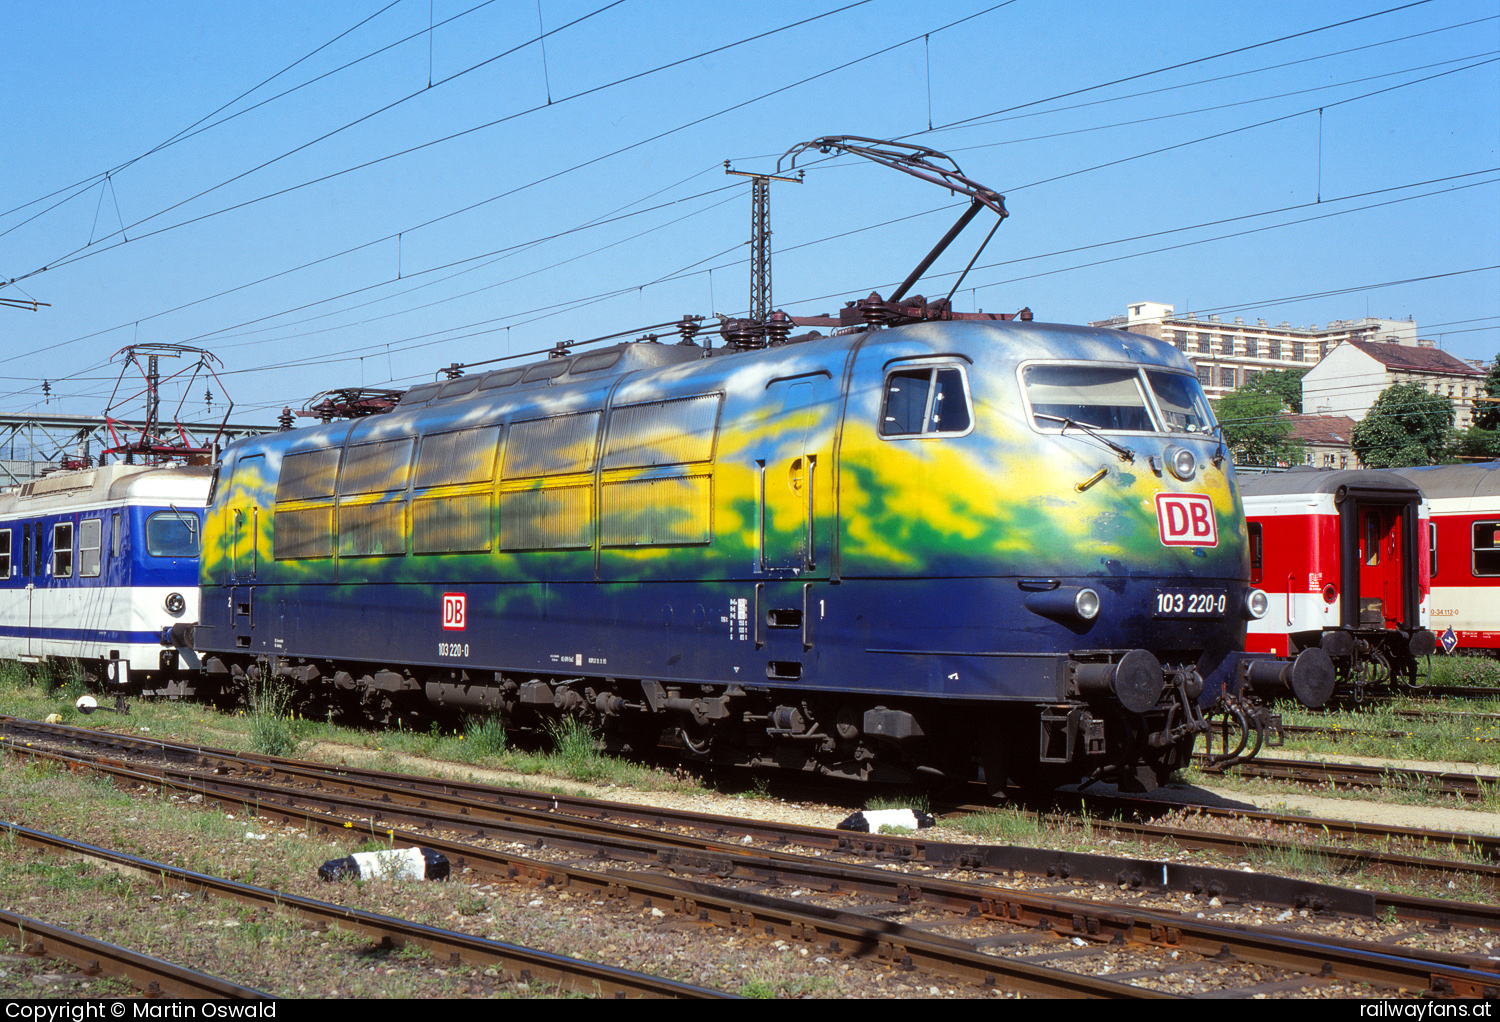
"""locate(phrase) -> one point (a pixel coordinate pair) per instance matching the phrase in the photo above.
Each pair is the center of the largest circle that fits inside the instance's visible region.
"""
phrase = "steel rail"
(431, 795)
(1358, 775)
(153, 977)
(388, 931)
(1353, 960)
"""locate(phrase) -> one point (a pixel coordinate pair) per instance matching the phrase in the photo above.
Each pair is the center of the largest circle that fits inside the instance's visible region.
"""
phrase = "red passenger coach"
(1342, 558)
(1464, 549)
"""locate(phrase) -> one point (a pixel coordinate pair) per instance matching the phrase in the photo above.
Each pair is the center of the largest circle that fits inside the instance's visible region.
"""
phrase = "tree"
(1285, 384)
(1256, 430)
(1487, 413)
(1405, 426)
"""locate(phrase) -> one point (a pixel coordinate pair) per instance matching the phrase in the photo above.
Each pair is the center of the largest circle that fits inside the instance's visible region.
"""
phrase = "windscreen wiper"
(1125, 453)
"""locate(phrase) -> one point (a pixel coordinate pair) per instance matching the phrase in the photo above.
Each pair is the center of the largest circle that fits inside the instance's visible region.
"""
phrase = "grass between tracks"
(272, 726)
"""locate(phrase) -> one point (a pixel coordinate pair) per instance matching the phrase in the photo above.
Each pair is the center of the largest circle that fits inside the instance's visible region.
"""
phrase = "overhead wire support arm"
(921, 162)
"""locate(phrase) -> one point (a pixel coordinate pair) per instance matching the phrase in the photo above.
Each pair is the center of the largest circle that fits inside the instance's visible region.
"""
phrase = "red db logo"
(1186, 519)
(453, 612)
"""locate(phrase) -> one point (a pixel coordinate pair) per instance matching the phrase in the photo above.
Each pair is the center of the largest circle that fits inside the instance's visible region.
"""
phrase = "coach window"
(1432, 549)
(172, 534)
(1486, 549)
(90, 540)
(929, 401)
(1257, 553)
(4, 553)
(62, 550)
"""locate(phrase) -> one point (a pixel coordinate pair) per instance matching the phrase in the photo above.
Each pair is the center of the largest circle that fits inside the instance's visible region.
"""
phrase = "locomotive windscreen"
(1093, 396)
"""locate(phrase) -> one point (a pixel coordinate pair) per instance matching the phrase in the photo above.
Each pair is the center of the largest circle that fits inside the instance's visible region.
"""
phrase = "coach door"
(31, 559)
(1383, 560)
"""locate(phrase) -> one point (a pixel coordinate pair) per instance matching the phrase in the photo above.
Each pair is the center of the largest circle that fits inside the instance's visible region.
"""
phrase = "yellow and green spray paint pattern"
(731, 468)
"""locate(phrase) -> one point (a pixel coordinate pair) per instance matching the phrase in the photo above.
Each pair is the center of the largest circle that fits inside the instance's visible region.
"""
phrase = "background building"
(1228, 355)
(1353, 375)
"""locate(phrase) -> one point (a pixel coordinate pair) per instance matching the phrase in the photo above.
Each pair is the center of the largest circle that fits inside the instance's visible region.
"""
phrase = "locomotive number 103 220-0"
(1190, 603)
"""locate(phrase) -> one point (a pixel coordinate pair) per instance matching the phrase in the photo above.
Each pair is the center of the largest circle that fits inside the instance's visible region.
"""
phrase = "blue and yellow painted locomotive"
(889, 552)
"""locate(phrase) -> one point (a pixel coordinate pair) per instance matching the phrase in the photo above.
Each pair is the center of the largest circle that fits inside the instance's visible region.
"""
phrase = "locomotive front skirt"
(882, 553)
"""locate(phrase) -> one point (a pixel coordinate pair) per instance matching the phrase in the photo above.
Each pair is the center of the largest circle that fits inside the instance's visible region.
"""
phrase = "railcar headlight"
(1257, 603)
(1330, 593)
(1182, 462)
(175, 603)
(1086, 603)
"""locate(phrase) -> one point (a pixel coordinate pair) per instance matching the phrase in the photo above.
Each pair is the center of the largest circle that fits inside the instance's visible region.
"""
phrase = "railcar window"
(1486, 548)
(1372, 539)
(308, 475)
(925, 401)
(1257, 552)
(172, 534)
(1432, 549)
(674, 432)
(464, 456)
(551, 446)
(1095, 396)
(1182, 402)
(62, 550)
(4, 553)
(376, 468)
(90, 541)
(117, 531)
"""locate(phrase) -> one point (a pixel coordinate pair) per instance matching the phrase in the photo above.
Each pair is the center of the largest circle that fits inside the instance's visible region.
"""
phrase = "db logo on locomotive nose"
(454, 617)
(1186, 519)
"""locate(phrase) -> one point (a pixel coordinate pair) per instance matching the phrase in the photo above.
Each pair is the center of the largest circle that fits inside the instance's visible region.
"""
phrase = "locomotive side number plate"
(1190, 603)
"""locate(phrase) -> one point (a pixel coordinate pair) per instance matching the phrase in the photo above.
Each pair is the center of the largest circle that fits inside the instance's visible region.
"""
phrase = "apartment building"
(1228, 354)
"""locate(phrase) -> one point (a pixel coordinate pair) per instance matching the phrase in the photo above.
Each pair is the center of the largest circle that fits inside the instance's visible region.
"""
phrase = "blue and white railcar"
(98, 566)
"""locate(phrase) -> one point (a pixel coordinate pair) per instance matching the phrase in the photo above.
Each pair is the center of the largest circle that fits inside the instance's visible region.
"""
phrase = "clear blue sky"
(1117, 131)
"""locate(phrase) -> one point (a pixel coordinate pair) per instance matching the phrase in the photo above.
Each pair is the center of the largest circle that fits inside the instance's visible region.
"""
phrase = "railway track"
(526, 964)
(148, 975)
(720, 881)
(1468, 787)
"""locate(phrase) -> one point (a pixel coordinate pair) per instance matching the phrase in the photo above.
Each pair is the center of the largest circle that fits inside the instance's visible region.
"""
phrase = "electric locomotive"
(1342, 558)
(886, 553)
(99, 568)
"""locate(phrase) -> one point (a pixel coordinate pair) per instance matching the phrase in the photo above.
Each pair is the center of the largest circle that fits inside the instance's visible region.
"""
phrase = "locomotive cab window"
(62, 550)
(1097, 397)
(926, 401)
(1182, 402)
(4, 553)
(172, 534)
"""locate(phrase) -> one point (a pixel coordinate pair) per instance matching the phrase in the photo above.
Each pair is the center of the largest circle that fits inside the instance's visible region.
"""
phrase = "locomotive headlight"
(1182, 463)
(1257, 603)
(1086, 603)
(175, 603)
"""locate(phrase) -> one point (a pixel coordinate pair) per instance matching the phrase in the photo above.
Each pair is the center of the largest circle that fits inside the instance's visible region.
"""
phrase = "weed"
(1010, 825)
(271, 729)
(485, 737)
